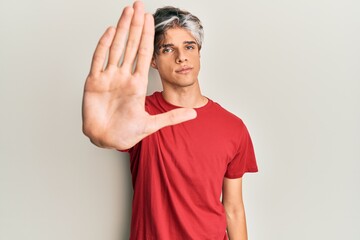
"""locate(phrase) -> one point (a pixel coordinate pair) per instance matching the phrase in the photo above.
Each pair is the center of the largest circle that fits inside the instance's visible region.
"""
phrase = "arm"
(234, 208)
(113, 108)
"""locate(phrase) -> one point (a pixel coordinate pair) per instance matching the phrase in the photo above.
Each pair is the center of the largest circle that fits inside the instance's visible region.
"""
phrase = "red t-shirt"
(178, 171)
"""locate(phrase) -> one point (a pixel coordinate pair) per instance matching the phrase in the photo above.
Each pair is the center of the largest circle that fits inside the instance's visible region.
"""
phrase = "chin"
(185, 83)
(180, 82)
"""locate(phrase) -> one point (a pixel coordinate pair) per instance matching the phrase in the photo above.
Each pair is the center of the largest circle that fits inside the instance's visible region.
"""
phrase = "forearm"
(236, 225)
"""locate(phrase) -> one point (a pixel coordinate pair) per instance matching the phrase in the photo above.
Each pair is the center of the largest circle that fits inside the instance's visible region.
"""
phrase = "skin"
(114, 96)
(113, 110)
(234, 207)
(178, 64)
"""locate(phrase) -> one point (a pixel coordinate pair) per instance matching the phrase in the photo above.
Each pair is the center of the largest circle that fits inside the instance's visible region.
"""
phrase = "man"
(185, 150)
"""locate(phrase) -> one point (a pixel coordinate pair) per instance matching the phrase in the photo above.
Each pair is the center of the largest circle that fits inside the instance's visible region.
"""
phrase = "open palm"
(114, 113)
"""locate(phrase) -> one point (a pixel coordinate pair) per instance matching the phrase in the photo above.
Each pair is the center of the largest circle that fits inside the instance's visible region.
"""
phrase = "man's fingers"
(136, 28)
(146, 47)
(99, 56)
(170, 118)
(117, 46)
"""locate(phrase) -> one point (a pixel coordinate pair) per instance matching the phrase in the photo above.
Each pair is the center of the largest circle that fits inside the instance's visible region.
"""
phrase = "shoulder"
(152, 99)
(153, 103)
(219, 112)
(223, 122)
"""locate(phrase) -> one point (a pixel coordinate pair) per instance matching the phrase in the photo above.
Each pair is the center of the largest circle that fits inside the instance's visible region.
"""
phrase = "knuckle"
(124, 73)
(98, 58)
(132, 43)
(103, 43)
(115, 45)
(145, 50)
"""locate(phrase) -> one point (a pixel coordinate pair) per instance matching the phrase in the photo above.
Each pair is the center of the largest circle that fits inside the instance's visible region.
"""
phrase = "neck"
(189, 97)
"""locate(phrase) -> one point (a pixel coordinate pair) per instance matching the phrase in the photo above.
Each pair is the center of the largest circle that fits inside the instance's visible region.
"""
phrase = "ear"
(153, 63)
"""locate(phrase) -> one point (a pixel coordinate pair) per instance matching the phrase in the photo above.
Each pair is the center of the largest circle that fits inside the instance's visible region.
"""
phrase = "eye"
(190, 47)
(167, 50)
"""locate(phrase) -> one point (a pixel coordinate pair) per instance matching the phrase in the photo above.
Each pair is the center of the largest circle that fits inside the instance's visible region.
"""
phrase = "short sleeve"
(244, 160)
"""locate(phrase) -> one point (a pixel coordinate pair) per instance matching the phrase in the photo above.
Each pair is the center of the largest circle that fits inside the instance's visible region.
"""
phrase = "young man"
(185, 150)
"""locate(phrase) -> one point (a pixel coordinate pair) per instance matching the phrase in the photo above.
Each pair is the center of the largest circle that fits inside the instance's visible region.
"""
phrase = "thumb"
(171, 118)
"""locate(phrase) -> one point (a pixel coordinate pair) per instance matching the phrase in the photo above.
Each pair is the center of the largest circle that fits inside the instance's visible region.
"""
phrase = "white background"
(289, 69)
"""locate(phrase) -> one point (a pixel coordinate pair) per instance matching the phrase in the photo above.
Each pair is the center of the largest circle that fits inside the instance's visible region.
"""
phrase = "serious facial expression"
(178, 61)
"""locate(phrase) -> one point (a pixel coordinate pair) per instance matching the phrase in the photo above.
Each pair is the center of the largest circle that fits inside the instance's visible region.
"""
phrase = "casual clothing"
(178, 171)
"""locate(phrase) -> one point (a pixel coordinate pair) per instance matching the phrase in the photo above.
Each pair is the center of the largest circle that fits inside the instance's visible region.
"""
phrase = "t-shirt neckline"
(168, 106)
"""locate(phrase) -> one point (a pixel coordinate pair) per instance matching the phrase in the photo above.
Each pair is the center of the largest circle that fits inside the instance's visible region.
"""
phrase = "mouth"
(184, 70)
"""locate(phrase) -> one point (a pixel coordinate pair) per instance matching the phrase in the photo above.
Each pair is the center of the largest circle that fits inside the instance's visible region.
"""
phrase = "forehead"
(177, 36)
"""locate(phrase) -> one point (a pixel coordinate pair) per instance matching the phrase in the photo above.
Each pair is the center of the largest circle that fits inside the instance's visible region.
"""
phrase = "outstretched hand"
(114, 113)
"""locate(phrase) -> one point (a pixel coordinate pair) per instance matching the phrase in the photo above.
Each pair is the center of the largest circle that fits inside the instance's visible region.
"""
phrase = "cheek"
(196, 61)
(164, 67)
(195, 57)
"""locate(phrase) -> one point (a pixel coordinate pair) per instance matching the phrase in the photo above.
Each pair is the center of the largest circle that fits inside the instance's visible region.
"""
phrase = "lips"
(184, 70)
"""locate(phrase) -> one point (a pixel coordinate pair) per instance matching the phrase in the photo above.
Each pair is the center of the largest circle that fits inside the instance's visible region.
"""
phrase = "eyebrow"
(165, 45)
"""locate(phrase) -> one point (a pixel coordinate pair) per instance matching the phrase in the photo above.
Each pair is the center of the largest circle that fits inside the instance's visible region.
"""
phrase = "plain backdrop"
(289, 69)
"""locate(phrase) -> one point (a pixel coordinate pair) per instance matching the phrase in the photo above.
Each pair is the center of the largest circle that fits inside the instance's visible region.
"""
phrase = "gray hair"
(171, 17)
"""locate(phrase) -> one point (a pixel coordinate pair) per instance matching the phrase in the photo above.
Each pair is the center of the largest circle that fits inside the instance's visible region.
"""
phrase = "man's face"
(178, 61)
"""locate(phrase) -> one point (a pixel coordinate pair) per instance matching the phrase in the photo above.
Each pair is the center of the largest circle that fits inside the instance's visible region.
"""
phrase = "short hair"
(170, 17)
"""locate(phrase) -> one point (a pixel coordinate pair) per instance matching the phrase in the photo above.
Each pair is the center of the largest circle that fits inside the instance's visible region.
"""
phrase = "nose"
(181, 57)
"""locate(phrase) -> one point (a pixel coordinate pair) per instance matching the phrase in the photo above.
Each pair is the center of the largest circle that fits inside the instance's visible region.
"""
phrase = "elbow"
(234, 212)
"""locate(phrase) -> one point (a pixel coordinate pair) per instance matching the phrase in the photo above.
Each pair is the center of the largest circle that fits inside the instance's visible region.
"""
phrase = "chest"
(194, 149)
